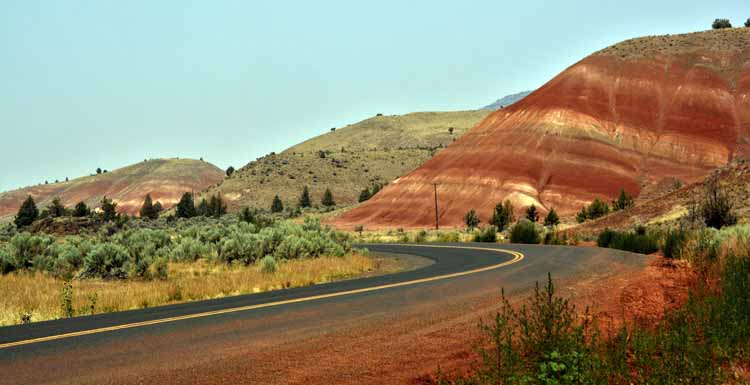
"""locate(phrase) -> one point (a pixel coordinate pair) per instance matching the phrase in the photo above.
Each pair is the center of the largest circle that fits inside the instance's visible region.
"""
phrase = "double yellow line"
(516, 258)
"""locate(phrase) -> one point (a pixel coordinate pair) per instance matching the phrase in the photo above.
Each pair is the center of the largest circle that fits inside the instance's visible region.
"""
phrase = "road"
(200, 342)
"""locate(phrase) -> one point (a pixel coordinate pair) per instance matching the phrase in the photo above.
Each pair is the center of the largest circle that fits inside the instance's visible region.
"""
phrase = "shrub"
(554, 238)
(716, 208)
(623, 202)
(486, 234)
(747, 23)
(420, 237)
(449, 237)
(106, 260)
(27, 213)
(364, 195)
(721, 24)
(635, 242)
(57, 209)
(268, 264)
(189, 249)
(674, 240)
(471, 219)
(525, 231)
(230, 171)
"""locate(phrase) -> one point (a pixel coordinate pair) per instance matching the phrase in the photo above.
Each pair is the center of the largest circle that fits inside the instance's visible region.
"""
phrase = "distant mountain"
(165, 179)
(507, 101)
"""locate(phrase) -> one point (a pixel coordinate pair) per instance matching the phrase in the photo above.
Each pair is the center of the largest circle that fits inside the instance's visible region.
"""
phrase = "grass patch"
(37, 296)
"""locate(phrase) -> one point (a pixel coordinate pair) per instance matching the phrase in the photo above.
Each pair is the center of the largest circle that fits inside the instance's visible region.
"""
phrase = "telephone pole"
(437, 224)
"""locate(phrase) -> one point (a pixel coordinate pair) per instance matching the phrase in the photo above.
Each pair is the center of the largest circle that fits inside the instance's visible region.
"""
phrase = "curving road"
(169, 343)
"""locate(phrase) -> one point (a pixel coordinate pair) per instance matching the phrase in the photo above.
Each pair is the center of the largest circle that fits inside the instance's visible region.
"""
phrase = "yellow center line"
(516, 258)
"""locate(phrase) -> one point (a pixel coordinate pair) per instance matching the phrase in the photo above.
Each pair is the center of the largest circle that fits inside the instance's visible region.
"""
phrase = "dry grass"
(722, 40)
(374, 151)
(40, 295)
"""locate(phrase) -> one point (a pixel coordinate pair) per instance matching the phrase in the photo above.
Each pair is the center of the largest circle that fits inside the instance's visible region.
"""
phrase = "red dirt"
(622, 118)
(165, 179)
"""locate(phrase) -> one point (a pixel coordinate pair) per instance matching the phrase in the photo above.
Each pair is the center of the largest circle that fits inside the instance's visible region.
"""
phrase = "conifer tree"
(109, 209)
(328, 199)
(532, 214)
(147, 209)
(551, 219)
(277, 206)
(203, 209)
(186, 206)
(304, 198)
(158, 207)
(27, 213)
(471, 219)
(81, 210)
(364, 195)
(56, 209)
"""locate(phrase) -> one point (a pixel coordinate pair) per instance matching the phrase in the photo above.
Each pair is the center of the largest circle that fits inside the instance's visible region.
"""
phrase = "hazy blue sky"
(86, 84)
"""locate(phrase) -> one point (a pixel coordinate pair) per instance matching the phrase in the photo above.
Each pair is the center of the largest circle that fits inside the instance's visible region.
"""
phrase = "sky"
(87, 84)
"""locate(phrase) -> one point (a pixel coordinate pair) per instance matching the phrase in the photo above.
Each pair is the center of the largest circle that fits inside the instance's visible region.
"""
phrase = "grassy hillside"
(347, 160)
(164, 179)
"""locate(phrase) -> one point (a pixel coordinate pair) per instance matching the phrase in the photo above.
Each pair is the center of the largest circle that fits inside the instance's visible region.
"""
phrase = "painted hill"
(630, 116)
(507, 101)
(347, 160)
(165, 179)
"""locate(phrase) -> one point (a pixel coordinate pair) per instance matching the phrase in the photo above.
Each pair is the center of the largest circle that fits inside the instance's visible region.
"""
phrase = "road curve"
(125, 347)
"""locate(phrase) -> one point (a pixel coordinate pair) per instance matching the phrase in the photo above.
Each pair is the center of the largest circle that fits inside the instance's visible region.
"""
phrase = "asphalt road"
(134, 346)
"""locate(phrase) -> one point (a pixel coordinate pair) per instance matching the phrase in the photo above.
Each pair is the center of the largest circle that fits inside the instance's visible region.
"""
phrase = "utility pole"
(437, 225)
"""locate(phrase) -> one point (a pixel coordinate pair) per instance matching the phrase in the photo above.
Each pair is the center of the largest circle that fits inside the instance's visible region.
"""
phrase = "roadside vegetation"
(121, 263)
(548, 341)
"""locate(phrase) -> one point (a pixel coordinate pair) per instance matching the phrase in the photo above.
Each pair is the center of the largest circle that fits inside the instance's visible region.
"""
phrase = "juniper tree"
(721, 24)
(471, 219)
(551, 219)
(81, 210)
(202, 208)
(503, 215)
(158, 207)
(216, 206)
(304, 198)
(623, 202)
(276, 205)
(230, 171)
(109, 209)
(328, 199)
(186, 206)
(56, 209)
(147, 209)
(747, 23)
(364, 195)
(27, 213)
(532, 214)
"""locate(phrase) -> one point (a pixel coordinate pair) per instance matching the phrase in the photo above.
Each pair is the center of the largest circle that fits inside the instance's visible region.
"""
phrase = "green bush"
(525, 232)
(106, 260)
(449, 237)
(268, 264)
(486, 234)
(189, 249)
(636, 242)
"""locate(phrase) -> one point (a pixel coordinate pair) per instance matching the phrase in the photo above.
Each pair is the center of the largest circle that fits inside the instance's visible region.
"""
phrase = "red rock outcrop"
(165, 179)
(626, 117)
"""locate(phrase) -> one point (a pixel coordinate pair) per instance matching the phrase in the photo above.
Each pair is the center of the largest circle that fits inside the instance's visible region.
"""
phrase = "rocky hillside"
(347, 160)
(630, 116)
(165, 179)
